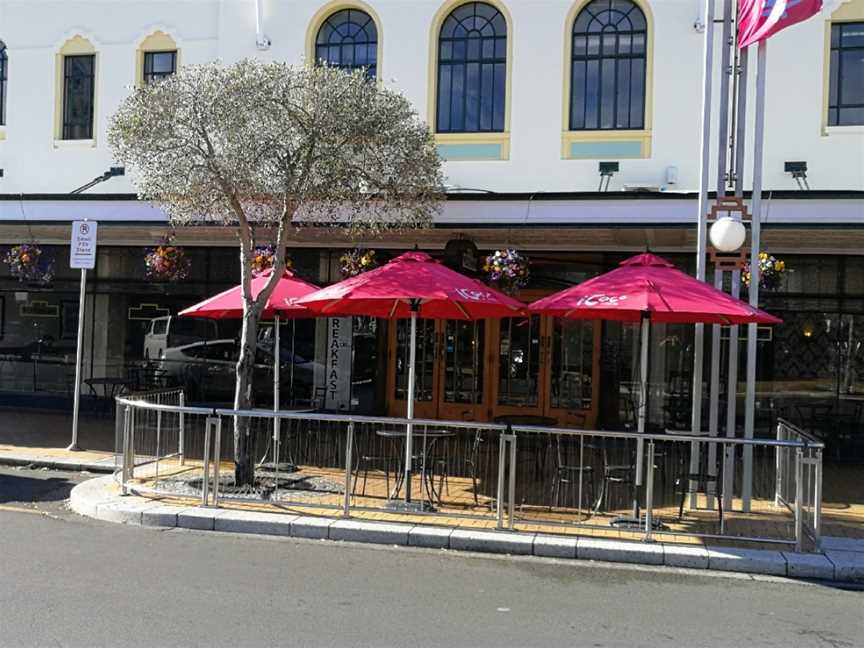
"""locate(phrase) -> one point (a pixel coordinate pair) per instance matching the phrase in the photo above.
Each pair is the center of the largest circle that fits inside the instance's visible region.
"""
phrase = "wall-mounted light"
(607, 170)
(807, 329)
(799, 172)
(112, 172)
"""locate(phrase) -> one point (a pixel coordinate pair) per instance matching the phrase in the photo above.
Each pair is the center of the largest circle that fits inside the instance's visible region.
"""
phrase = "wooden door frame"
(397, 407)
(463, 411)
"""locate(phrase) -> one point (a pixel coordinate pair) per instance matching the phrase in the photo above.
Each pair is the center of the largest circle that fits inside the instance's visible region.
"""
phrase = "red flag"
(758, 19)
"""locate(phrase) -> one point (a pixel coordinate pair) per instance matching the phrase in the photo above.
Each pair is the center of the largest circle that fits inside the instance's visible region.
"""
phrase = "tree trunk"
(244, 469)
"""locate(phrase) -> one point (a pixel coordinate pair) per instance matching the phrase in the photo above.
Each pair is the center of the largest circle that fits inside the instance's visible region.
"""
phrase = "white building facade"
(527, 98)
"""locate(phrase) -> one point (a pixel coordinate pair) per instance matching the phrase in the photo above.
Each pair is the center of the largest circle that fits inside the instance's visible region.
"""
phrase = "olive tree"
(269, 145)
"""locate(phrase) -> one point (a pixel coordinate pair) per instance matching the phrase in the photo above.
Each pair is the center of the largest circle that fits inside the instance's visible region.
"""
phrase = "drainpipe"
(261, 40)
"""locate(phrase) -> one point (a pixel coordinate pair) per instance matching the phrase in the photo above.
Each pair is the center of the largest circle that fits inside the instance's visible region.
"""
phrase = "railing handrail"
(807, 442)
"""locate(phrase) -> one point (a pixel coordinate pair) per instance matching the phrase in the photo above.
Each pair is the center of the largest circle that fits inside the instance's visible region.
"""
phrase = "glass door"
(463, 362)
(520, 351)
(425, 380)
(572, 390)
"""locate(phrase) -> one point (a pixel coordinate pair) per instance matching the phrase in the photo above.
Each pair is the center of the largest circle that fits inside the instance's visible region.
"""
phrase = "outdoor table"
(433, 436)
(111, 386)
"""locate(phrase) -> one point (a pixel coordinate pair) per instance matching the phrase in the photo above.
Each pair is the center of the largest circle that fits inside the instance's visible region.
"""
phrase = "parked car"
(207, 371)
(172, 331)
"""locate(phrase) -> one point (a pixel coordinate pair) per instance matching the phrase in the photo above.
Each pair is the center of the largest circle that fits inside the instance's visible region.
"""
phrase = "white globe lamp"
(727, 234)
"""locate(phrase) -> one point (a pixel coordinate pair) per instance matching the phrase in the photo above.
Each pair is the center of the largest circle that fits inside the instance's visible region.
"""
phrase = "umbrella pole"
(643, 409)
(412, 357)
(277, 357)
(291, 366)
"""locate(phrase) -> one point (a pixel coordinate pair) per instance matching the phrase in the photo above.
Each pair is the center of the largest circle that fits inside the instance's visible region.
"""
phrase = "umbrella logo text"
(600, 300)
(474, 295)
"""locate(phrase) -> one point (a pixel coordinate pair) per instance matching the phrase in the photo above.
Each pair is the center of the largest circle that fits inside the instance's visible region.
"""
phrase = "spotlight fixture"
(607, 170)
(799, 172)
(112, 172)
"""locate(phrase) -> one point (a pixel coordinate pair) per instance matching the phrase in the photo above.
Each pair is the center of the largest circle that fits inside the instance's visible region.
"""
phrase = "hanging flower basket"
(508, 269)
(166, 262)
(264, 258)
(771, 270)
(357, 261)
(28, 263)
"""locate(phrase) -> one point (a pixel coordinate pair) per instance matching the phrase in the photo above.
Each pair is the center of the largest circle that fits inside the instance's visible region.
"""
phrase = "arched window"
(472, 70)
(607, 70)
(348, 39)
(4, 64)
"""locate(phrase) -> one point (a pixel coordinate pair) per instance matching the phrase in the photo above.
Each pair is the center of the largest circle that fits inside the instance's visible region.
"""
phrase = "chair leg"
(681, 505)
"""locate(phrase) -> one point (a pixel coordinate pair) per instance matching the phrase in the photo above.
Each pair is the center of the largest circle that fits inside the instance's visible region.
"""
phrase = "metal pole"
(349, 450)
(181, 449)
(409, 429)
(277, 362)
(79, 355)
(499, 495)
(817, 499)
(649, 493)
(714, 403)
(217, 459)
(755, 242)
(778, 467)
(124, 472)
(205, 484)
(158, 442)
(799, 496)
(723, 125)
(731, 403)
(702, 219)
(511, 487)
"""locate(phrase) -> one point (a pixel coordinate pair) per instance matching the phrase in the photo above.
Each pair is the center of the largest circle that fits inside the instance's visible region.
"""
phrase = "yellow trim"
(502, 139)
(77, 45)
(852, 11)
(2, 132)
(158, 41)
(432, 99)
(568, 136)
(328, 10)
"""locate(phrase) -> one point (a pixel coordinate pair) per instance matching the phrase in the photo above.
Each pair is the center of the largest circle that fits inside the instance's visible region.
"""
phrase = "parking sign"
(82, 249)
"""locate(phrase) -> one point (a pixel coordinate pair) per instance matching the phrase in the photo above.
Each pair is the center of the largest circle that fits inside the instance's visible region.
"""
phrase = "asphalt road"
(71, 581)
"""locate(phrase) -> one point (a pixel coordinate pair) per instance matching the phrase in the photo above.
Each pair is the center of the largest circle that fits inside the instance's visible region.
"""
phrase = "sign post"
(82, 255)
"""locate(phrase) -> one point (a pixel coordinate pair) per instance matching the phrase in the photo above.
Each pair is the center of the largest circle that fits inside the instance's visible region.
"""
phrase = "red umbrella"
(413, 285)
(649, 285)
(648, 288)
(282, 303)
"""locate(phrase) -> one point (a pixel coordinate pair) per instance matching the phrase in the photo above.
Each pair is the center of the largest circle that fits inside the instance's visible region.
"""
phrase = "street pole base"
(73, 447)
(409, 507)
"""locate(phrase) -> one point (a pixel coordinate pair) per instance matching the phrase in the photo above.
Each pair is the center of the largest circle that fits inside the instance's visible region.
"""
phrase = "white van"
(172, 331)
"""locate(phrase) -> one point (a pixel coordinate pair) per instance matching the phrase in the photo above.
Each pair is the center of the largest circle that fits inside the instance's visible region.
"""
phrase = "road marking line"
(20, 509)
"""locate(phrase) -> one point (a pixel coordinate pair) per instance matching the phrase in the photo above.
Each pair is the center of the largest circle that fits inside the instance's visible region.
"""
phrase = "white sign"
(82, 248)
(338, 378)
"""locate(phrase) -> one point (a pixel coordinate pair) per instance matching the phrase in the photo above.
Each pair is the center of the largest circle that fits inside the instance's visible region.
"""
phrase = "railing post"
(217, 458)
(181, 447)
(649, 493)
(817, 500)
(205, 483)
(158, 443)
(124, 471)
(499, 496)
(349, 453)
(778, 461)
(131, 472)
(799, 496)
(512, 485)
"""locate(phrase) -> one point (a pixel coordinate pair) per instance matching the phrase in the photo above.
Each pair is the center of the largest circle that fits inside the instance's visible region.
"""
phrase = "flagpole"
(702, 233)
(755, 236)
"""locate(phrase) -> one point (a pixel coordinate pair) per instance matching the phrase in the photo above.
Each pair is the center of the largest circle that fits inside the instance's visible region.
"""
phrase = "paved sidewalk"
(59, 458)
(100, 498)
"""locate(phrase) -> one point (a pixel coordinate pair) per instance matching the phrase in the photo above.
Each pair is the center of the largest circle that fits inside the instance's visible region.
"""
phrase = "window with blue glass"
(4, 63)
(846, 88)
(608, 67)
(472, 70)
(348, 39)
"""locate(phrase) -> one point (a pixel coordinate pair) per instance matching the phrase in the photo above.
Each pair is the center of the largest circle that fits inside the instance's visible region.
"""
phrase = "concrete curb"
(98, 499)
(102, 466)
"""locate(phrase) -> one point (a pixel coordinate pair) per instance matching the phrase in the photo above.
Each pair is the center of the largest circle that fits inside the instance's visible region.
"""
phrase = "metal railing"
(508, 476)
(799, 480)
